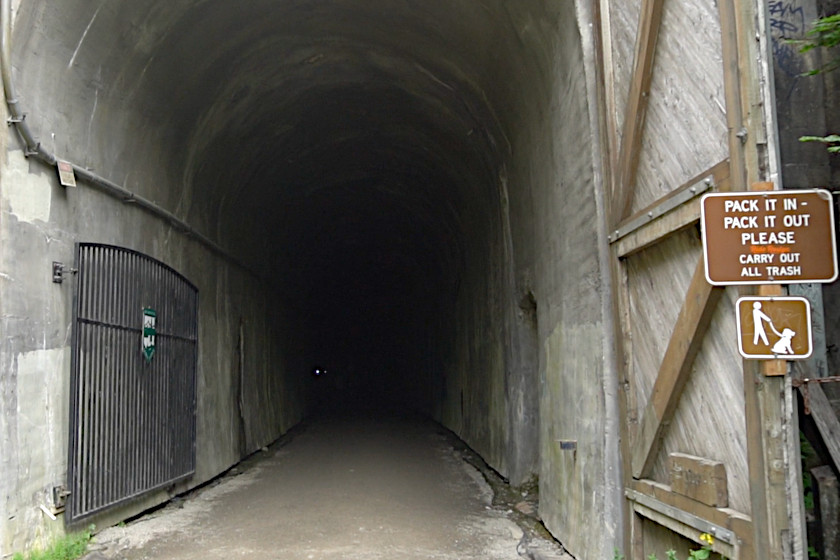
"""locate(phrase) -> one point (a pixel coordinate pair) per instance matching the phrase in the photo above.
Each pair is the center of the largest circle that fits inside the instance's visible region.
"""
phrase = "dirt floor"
(367, 488)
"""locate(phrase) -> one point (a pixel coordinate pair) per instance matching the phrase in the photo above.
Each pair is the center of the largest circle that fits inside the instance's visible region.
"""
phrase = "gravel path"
(340, 489)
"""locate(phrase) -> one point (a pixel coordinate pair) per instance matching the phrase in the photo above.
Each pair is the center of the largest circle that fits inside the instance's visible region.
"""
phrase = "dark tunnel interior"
(352, 155)
(369, 235)
(364, 176)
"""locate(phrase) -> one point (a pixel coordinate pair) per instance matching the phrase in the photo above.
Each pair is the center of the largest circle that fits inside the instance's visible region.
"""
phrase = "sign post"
(773, 237)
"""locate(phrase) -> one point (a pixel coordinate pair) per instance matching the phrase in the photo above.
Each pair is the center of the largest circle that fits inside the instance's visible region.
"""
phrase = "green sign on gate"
(149, 332)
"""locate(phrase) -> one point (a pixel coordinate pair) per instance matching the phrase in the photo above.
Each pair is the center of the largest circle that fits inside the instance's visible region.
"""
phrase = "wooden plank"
(767, 428)
(674, 221)
(828, 504)
(821, 410)
(825, 419)
(765, 422)
(624, 322)
(736, 521)
(637, 542)
(698, 478)
(606, 90)
(626, 401)
(650, 19)
(719, 172)
(691, 325)
(699, 523)
(687, 531)
(733, 94)
(755, 453)
(742, 526)
(659, 229)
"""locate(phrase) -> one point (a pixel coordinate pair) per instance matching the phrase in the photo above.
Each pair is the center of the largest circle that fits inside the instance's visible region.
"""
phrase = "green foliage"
(830, 139)
(825, 33)
(807, 487)
(68, 547)
(806, 449)
(702, 553)
(812, 552)
(699, 554)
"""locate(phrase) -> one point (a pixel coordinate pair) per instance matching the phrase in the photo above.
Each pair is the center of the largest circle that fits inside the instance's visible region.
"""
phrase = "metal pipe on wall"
(33, 148)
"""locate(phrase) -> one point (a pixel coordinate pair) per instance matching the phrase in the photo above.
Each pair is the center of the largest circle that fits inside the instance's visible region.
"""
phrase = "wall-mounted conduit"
(33, 148)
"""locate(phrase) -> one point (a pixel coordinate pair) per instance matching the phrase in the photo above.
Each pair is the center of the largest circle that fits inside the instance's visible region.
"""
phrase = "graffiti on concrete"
(787, 21)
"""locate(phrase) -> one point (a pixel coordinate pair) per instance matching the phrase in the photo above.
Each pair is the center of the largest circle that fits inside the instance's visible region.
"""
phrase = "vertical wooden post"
(764, 391)
(606, 99)
(763, 394)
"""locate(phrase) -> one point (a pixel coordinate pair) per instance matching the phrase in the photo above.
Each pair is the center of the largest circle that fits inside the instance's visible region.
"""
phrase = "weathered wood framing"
(694, 318)
(737, 522)
(682, 216)
(819, 407)
(758, 534)
(634, 119)
(824, 417)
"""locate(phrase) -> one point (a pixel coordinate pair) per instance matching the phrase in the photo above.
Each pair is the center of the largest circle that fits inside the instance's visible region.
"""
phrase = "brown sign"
(774, 328)
(774, 237)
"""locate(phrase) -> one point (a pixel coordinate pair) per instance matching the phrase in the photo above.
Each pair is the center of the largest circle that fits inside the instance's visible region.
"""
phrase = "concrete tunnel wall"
(410, 193)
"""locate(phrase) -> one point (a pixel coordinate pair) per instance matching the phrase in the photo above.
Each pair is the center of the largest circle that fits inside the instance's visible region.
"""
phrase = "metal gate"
(132, 409)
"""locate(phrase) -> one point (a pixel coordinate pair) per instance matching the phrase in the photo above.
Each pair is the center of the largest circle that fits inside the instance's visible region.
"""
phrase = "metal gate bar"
(132, 419)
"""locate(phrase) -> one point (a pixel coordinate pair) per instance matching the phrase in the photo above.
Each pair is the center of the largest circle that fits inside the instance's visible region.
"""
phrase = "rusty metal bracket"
(58, 271)
(802, 385)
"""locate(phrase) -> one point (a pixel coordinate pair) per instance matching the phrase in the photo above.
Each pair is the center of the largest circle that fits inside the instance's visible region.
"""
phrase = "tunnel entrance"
(485, 211)
(345, 198)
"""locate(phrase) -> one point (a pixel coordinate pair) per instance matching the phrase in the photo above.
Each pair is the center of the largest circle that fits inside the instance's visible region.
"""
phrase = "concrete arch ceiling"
(328, 143)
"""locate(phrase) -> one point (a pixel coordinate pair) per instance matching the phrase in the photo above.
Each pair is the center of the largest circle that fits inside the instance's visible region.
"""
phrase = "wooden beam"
(691, 326)
(659, 229)
(739, 82)
(681, 217)
(743, 527)
(699, 478)
(820, 408)
(824, 417)
(650, 19)
(681, 527)
(606, 90)
(737, 522)
(765, 423)
(607, 111)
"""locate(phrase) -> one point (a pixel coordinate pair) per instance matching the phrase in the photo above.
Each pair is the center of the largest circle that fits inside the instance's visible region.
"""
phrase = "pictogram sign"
(773, 237)
(774, 328)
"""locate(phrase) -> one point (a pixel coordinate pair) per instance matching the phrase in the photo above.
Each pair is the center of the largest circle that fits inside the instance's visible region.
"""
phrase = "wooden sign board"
(774, 328)
(773, 237)
(700, 479)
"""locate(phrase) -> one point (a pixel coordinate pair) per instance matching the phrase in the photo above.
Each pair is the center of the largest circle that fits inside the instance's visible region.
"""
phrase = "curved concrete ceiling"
(350, 150)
